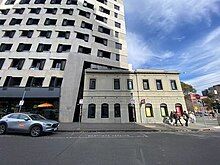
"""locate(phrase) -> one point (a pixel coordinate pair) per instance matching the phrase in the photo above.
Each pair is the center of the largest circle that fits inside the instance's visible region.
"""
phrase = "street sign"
(21, 102)
(143, 101)
(81, 101)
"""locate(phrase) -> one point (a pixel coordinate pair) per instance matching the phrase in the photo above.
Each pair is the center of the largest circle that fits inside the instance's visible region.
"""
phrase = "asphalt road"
(111, 149)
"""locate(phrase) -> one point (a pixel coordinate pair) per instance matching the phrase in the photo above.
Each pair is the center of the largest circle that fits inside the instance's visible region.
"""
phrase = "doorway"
(179, 109)
(132, 113)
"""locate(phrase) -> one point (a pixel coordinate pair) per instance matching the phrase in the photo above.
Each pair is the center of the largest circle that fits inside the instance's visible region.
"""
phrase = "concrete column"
(70, 88)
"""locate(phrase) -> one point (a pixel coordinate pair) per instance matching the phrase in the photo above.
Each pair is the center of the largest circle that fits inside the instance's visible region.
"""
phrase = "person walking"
(186, 118)
(177, 118)
(172, 117)
(192, 117)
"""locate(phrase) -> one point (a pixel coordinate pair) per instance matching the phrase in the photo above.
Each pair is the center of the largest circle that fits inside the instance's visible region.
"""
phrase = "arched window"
(149, 110)
(117, 110)
(164, 110)
(179, 109)
(104, 111)
(91, 110)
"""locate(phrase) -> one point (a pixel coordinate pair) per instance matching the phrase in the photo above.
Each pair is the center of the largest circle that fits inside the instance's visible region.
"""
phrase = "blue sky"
(181, 35)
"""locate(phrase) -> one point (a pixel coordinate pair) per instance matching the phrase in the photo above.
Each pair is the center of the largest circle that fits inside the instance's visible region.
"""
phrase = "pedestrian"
(177, 118)
(213, 114)
(186, 118)
(192, 117)
(171, 117)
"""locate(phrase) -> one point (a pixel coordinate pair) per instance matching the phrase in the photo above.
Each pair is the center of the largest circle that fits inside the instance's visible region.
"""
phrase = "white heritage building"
(142, 96)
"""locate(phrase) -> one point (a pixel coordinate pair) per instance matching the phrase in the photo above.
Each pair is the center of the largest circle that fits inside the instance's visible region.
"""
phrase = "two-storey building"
(142, 96)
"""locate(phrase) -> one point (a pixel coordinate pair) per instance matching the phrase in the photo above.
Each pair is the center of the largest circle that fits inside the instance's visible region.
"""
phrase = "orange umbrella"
(45, 105)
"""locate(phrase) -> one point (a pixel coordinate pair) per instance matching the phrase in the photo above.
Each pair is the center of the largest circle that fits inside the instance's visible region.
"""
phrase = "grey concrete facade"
(27, 22)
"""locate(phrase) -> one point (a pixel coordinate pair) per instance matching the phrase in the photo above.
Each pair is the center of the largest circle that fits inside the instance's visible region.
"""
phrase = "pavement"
(202, 125)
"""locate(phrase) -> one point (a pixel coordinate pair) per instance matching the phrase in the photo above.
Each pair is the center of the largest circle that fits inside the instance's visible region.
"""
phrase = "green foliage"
(208, 102)
(189, 104)
(187, 88)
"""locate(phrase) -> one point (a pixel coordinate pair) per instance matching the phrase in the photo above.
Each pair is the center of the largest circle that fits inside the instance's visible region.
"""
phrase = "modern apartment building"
(213, 91)
(123, 96)
(46, 45)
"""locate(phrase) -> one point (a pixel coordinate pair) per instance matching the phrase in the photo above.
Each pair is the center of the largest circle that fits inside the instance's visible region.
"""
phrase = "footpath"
(134, 127)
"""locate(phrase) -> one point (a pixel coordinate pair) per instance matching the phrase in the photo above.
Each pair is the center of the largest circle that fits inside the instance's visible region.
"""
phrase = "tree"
(208, 102)
(187, 88)
(189, 104)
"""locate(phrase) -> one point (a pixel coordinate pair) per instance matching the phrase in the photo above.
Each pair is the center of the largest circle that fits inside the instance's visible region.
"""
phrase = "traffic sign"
(21, 102)
(81, 101)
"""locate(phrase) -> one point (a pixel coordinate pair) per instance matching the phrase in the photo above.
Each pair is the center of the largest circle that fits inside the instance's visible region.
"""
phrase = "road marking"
(81, 136)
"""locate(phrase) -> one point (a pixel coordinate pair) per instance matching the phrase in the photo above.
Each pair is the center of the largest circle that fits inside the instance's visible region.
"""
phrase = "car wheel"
(2, 129)
(35, 131)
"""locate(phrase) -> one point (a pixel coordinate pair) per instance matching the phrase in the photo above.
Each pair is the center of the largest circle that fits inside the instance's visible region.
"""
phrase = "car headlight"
(49, 125)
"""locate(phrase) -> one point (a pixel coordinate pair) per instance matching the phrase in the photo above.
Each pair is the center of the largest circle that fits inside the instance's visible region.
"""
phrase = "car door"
(23, 123)
(12, 121)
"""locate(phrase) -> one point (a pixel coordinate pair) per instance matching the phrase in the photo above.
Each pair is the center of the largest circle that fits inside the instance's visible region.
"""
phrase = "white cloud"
(165, 15)
(140, 54)
(138, 50)
(202, 61)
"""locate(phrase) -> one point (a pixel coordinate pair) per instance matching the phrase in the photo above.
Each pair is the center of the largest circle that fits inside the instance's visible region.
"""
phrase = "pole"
(22, 99)
(203, 112)
(80, 113)
(138, 91)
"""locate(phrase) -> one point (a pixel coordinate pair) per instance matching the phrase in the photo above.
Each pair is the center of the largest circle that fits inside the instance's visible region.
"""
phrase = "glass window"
(37, 117)
(146, 85)
(164, 110)
(130, 84)
(14, 116)
(116, 84)
(55, 82)
(104, 111)
(149, 110)
(117, 110)
(117, 57)
(173, 84)
(159, 85)
(91, 111)
(92, 84)
(23, 117)
(118, 46)
(2, 60)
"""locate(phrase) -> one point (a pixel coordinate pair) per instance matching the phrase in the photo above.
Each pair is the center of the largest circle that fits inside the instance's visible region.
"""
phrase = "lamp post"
(80, 112)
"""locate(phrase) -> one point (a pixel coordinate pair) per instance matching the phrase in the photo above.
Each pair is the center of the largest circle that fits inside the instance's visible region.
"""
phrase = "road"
(118, 148)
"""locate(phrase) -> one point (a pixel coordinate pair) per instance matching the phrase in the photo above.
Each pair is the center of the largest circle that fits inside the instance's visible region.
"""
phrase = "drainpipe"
(138, 91)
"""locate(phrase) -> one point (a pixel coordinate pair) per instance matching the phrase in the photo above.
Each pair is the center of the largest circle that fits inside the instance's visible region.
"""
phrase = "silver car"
(27, 123)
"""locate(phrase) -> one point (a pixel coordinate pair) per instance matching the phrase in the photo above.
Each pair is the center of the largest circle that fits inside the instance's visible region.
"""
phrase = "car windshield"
(37, 117)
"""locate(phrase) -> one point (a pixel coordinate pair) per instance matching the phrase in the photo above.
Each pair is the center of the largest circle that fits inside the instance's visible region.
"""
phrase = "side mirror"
(26, 119)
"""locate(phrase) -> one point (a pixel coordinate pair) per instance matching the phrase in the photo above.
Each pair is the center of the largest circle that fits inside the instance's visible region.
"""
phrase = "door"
(12, 122)
(179, 109)
(23, 123)
(132, 113)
